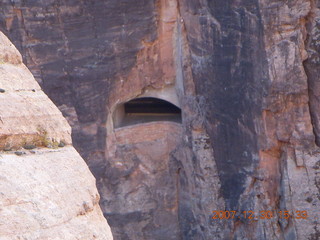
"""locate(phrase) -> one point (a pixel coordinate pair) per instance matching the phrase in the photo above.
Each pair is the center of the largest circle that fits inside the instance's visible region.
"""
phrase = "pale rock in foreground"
(45, 193)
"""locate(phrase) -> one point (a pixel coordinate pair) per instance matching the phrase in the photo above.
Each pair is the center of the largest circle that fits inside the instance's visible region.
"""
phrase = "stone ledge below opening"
(146, 132)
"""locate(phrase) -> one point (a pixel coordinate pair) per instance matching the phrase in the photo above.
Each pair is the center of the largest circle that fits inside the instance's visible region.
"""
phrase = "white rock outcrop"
(46, 192)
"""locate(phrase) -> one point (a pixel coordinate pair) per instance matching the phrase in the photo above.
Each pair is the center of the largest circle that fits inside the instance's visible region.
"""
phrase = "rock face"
(46, 192)
(23, 101)
(245, 75)
(141, 167)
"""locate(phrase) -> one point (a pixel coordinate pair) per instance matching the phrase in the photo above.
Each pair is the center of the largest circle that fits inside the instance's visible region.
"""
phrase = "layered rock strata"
(245, 75)
(46, 189)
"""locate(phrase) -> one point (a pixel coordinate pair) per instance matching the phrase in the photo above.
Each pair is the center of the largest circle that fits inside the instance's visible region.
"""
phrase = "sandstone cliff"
(244, 74)
(46, 191)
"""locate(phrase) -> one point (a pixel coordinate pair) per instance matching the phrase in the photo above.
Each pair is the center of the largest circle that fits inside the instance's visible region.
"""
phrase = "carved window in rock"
(144, 110)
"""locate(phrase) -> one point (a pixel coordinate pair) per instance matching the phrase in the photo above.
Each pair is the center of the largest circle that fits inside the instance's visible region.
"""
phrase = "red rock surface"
(245, 74)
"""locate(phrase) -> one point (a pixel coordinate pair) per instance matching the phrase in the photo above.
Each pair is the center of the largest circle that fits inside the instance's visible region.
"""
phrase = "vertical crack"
(311, 65)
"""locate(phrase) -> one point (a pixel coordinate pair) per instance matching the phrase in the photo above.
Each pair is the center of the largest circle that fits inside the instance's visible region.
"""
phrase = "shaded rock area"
(143, 169)
(46, 189)
(245, 75)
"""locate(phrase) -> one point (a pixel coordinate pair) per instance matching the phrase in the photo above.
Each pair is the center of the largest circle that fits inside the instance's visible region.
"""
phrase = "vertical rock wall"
(77, 50)
(253, 78)
(245, 73)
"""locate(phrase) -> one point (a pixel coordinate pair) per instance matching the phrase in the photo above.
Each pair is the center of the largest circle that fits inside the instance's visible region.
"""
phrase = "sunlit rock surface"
(46, 189)
(246, 76)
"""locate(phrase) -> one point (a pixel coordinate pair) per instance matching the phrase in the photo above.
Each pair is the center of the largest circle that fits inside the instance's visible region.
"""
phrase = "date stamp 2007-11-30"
(252, 215)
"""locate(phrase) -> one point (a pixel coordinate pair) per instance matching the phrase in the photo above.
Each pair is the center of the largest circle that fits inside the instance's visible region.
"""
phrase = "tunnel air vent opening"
(144, 110)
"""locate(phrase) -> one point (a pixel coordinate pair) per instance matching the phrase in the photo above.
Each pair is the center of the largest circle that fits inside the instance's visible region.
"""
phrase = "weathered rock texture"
(142, 169)
(47, 192)
(23, 101)
(246, 76)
